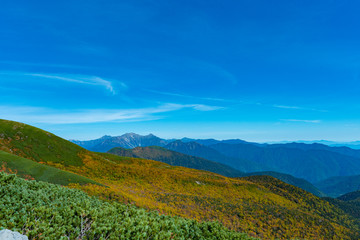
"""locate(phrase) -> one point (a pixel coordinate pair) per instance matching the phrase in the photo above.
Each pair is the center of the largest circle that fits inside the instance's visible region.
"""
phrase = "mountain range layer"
(313, 162)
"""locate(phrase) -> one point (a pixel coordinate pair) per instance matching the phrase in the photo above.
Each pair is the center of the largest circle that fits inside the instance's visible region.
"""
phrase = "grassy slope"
(240, 204)
(33, 170)
(46, 211)
(38, 145)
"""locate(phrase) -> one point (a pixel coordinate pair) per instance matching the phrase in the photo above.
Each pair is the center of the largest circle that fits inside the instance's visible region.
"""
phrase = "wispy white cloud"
(75, 78)
(301, 120)
(298, 107)
(286, 107)
(51, 116)
(185, 96)
(235, 101)
(91, 80)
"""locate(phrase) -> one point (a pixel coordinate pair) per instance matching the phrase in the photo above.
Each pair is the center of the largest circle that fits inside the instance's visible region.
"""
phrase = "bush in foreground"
(46, 211)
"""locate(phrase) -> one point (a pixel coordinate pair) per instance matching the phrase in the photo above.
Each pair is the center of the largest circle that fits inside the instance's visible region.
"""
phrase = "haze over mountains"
(314, 162)
(353, 144)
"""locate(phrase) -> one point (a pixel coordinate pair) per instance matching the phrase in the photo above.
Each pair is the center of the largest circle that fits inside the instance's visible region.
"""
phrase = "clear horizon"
(254, 70)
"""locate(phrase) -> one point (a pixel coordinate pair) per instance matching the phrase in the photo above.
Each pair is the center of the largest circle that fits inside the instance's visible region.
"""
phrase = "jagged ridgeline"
(46, 211)
(259, 206)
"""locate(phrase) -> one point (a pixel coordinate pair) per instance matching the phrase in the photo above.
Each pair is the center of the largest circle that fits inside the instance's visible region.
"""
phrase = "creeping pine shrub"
(46, 211)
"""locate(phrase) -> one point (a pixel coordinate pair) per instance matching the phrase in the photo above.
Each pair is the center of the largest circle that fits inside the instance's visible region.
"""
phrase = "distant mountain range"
(207, 152)
(314, 162)
(128, 140)
(354, 144)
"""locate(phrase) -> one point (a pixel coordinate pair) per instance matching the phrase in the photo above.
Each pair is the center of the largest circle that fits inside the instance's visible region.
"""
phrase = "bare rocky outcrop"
(10, 235)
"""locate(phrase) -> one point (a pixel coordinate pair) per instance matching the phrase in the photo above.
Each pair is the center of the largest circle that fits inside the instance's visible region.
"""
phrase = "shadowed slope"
(177, 159)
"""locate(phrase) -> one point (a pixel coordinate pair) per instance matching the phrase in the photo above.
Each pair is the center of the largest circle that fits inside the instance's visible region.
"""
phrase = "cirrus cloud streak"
(51, 116)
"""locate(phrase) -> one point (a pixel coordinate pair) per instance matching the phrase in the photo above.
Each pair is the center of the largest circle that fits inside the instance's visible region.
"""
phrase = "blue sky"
(255, 70)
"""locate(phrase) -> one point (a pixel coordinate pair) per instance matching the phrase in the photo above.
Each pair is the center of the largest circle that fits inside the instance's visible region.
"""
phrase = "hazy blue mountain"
(317, 146)
(353, 145)
(199, 150)
(211, 141)
(313, 165)
(336, 186)
(91, 143)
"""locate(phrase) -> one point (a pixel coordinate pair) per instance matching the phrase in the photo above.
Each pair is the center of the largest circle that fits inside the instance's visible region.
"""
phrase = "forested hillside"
(45, 211)
(176, 159)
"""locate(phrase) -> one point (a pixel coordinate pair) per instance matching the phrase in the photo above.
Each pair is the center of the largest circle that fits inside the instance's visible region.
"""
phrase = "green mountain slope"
(36, 144)
(33, 170)
(176, 159)
(46, 211)
(352, 196)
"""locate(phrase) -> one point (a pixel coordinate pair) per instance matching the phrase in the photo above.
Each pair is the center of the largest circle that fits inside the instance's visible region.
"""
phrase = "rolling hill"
(260, 206)
(298, 182)
(336, 186)
(176, 159)
(179, 159)
(349, 203)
